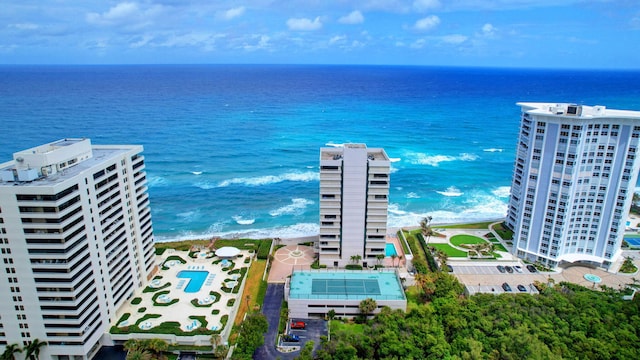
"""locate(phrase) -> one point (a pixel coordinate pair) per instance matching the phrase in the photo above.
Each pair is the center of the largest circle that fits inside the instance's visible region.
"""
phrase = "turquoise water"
(232, 150)
(346, 285)
(390, 250)
(197, 278)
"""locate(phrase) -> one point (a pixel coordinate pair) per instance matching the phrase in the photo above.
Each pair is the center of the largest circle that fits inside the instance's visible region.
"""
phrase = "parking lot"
(313, 329)
(488, 269)
(486, 278)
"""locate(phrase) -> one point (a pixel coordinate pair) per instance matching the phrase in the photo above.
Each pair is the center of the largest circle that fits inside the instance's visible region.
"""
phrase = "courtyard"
(193, 293)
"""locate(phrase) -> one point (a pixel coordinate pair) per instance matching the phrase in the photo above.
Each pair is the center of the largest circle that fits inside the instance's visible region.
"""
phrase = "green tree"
(9, 352)
(251, 336)
(425, 228)
(139, 355)
(380, 257)
(33, 348)
(367, 306)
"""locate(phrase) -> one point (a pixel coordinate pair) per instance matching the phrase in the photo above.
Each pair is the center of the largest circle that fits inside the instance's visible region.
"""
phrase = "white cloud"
(116, 14)
(262, 43)
(355, 17)
(488, 29)
(337, 38)
(423, 5)
(126, 16)
(204, 40)
(418, 44)
(234, 13)
(454, 39)
(25, 26)
(304, 24)
(427, 23)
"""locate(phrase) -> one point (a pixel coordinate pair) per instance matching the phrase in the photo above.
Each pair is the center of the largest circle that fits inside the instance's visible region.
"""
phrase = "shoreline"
(310, 237)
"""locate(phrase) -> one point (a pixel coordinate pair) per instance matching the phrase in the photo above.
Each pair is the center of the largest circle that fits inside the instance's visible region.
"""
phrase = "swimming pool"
(196, 279)
(390, 249)
(634, 242)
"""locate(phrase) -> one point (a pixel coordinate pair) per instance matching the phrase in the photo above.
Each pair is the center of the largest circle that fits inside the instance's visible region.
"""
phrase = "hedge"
(263, 249)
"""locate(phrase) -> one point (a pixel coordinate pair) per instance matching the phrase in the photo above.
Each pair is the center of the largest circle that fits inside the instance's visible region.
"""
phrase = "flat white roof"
(101, 153)
(575, 110)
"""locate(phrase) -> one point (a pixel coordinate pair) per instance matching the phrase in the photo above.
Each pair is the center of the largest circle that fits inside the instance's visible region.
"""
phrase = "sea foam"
(451, 191)
(271, 179)
(436, 160)
(296, 207)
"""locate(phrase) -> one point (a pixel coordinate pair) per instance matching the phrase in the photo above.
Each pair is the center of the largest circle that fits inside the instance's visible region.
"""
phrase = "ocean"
(233, 150)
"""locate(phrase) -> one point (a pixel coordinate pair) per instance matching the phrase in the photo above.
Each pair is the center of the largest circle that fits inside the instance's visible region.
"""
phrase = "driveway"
(271, 309)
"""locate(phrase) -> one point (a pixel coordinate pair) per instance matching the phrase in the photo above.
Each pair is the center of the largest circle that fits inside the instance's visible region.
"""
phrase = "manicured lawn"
(504, 233)
(458, 240)
(251, 288)
(337, 325)
(481, 225)
(499, 247)
(450, 251)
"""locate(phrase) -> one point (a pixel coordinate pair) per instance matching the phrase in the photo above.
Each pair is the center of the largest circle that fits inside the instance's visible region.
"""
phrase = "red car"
(298, 324)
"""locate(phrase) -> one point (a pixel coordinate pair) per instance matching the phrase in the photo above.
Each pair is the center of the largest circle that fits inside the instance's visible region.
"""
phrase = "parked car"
(532, 268)
(291, 338)
(501, 268)
(450, 268)
(517, 268)
(509, 269)
(298, 325)
(506, 287)
(522, 288)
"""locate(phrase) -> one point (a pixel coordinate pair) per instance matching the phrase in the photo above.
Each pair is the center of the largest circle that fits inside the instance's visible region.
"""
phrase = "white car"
(518, 268)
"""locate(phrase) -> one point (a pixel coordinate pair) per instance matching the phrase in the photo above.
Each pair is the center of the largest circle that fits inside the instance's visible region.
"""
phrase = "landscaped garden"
(194, 292)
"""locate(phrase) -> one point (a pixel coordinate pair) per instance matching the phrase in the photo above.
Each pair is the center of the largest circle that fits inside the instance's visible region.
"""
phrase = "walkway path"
(271, 309)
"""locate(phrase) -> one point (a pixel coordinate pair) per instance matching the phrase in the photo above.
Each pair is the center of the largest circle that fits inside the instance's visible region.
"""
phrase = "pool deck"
(180, 311)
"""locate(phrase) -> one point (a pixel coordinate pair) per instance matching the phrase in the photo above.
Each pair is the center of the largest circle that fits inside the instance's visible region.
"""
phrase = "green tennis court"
(345, 284)
(345, 287)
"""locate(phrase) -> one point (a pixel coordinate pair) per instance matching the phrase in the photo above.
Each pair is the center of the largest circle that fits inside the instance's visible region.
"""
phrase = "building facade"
(76, 240)
(314, 293)
(354, 199)
(574, 177)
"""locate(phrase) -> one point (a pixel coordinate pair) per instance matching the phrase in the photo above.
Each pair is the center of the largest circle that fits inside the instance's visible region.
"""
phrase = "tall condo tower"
(76, 240)
(573, 182)
(354, 197)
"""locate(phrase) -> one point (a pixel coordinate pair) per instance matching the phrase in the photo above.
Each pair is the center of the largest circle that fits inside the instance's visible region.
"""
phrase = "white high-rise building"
(354, 197)
(573, 182)
(76, 240)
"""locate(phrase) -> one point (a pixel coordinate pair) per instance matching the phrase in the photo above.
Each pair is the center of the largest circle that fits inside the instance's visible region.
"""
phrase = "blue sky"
(499, 33)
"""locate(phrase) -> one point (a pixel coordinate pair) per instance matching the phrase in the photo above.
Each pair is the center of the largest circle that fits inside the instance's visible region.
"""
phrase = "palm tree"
(9, 350)
(139, 355)
(354, 259)
(399, 260)
(367, 306)
(33, 348)
(380, 257)
(132, 345)
(425, 228)
(358, 258)
(215, 340)
(156, 346)
(393, 259)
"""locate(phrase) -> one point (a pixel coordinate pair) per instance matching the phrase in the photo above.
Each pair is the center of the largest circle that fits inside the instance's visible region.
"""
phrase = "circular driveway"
(288, 258)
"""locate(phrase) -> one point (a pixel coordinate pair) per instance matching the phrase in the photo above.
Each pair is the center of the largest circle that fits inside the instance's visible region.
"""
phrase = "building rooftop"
(335, 153)
(346, 285)
(101, 153)
(579, 111)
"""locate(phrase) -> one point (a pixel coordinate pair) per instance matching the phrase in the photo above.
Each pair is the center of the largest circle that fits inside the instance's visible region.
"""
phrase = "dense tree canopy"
(565, 322)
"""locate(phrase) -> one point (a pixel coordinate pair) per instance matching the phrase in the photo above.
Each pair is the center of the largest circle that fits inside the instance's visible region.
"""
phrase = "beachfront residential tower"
(354, 197)
(573, 182)
(76, 240)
